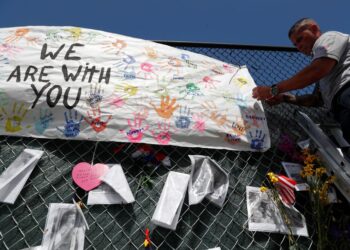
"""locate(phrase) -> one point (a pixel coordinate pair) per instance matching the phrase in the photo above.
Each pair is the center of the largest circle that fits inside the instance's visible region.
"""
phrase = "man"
(329, 68)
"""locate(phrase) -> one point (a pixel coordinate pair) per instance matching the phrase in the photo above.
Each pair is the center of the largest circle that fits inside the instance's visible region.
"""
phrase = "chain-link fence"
(122, 226)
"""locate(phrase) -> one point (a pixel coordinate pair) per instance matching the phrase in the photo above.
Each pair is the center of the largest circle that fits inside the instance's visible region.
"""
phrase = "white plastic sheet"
(75, 83)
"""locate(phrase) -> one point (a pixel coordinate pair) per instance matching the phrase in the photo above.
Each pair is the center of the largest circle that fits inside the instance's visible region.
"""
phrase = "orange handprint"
(213, 113)
(166, 108)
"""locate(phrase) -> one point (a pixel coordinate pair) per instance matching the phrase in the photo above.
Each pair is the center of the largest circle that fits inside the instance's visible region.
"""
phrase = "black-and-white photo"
(264, 215)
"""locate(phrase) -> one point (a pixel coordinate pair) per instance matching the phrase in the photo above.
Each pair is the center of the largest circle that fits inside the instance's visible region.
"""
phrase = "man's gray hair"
(300, 23)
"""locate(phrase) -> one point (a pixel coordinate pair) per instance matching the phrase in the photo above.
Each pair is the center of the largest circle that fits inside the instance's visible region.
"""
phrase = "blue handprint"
(125, 62)
(184, 119)
(257, 142)
(44, 121)
(72, 127)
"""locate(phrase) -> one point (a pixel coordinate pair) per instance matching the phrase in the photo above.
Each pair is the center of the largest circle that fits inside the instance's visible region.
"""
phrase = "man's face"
(304, 39)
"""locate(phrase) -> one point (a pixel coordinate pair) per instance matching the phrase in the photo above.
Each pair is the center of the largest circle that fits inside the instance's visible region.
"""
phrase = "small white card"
(114, 189)
(293, 171)
(16, 175)
(170, 203)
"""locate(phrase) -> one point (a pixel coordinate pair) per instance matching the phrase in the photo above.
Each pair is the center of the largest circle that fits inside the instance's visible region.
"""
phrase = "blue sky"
(248, 22)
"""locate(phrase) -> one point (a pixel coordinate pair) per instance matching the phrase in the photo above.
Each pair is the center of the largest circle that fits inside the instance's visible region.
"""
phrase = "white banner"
(75, 83)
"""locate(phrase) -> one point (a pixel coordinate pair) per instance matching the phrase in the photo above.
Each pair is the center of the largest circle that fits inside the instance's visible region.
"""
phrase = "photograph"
(264, 215)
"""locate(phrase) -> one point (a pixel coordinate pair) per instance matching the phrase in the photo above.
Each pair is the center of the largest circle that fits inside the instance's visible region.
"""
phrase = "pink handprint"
(118, 102)
(199, 123)
(136, 131)
(209, 82)
(163, 135)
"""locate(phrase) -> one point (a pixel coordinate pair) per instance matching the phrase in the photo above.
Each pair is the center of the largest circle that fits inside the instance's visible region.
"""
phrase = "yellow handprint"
(75, 33)
(166, 108)
(241, 81)
(14, 120)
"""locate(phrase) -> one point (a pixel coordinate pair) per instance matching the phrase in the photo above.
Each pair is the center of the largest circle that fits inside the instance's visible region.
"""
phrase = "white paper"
(65, 228)
(293, 171)
(81, 84)
(263, 215)
(207, 180)
(169, 205)
(16, 175)
(115, 188)
(338, 135)
(304, 144)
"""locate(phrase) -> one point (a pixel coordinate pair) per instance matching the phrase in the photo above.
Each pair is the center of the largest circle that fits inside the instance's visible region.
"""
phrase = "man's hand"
(262, 92)
(283, 97)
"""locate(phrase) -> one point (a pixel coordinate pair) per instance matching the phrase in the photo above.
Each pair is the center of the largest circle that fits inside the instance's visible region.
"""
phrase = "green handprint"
(3, 98)
(13, 121)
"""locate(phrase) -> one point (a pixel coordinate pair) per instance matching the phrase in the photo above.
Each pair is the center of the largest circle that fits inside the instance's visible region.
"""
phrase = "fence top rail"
(226, 45)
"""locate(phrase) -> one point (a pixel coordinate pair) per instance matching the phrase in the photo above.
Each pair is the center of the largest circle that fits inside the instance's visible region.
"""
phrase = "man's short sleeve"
(330, 44)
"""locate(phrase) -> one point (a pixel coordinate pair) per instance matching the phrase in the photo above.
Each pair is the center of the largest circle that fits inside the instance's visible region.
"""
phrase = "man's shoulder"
(332, 34)
(330, 44)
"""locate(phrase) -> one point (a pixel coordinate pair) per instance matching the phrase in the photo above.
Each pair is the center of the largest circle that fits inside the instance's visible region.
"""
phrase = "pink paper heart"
(88, 177)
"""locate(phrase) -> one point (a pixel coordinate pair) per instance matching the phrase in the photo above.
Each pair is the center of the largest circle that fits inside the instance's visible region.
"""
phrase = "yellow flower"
(310, 159)
(320, 171)
(331, 179)
(273, 178)
(263, 189)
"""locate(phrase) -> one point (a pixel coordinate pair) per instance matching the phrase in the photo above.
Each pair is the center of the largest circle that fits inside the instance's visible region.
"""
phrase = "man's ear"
(314, 28)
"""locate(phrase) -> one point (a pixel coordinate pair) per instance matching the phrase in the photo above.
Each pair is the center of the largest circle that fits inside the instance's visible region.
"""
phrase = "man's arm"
(314, 72)
(309, 100)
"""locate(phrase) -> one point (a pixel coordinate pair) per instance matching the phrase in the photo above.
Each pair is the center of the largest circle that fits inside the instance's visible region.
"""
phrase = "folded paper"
(81, 84)
(208, 180)
(264, 215)
(114, 189)
(16, 175)
(65, 228)
(170, 203)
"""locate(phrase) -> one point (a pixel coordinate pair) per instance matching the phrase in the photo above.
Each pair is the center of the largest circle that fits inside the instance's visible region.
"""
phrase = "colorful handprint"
(94, 97)
(257, 140)
(72, 126)
(213, 113)
(199, 123)
(46, 117)
(136, 131)
(184, 119)
(209, 82)
(95, 121)
(166, 108)
(18, 35)
(162, 135)
(115, 46)
(4, 100)
(125, 62)
(14, 120)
